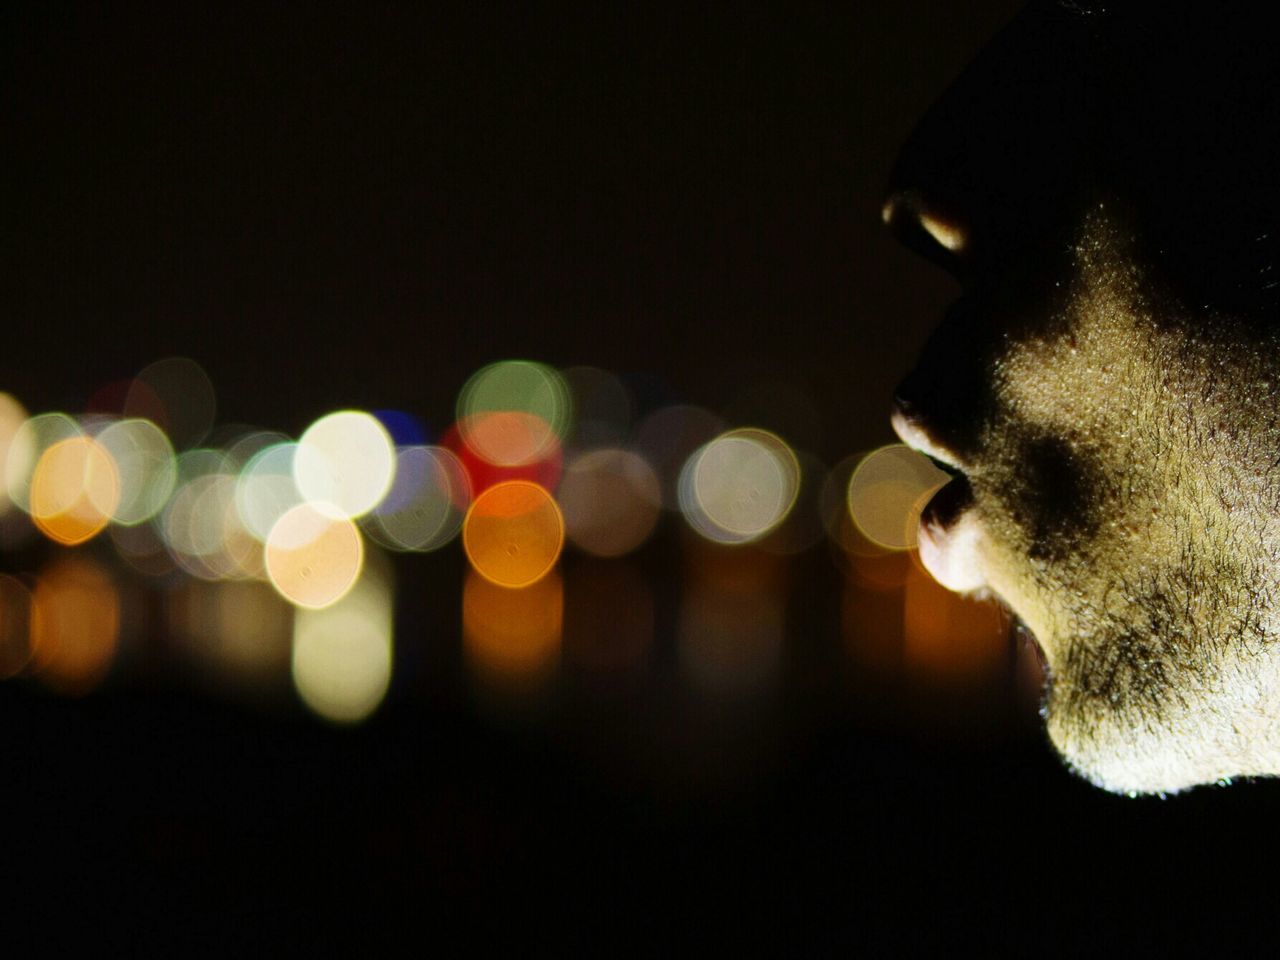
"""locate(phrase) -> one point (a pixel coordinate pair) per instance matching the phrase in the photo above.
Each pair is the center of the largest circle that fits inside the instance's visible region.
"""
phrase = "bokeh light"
(513, 533)
(739, 486)
(75, 625)
(427, 502)
(266, 490)
(147, 467)
(603, 408)
(510, 411)
(887, 491)
(668, 437)
(241, 631)
(314, 555)
(346, 459)
(12, 416)
(512, 635)
(75, 489)
(36, 435)
(483, 474)
(178, 395)
(15, 626)
(343, 654)
(610, 499)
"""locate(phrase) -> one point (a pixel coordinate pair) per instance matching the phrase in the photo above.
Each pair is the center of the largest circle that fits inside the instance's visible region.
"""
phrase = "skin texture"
(1109, 383)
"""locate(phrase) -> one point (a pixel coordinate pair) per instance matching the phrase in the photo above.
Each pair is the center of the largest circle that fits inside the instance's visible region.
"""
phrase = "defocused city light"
(887, 491)
(510, 411)
(178, 395)
(610, 499)
(346, 459)
(75, 489)
(427, 502)
(314, 555)
(147, 467)
(513, 533)
(739, 486)
(512, 635)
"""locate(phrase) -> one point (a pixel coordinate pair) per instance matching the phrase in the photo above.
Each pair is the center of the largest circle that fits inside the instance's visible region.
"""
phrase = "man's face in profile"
(1104, 184)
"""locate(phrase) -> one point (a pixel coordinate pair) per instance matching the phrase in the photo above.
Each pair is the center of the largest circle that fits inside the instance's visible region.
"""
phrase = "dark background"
(360, 206)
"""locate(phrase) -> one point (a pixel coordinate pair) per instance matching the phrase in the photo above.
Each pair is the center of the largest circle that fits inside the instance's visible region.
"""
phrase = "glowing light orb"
(12, 417)
(147, 466)
(75, 625)
(511, 411)
(427, 502)
(30, 441)
(266, 490)
(887, 491)
(739, 486)
(343, 654)
(668, 437)
(346, 459)
(74, 490)
(178, 395)
(513, 533)
(611, 500)
(313, 555)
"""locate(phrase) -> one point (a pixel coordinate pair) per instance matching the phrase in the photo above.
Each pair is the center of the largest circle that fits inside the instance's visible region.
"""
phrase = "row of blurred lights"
(534, 457)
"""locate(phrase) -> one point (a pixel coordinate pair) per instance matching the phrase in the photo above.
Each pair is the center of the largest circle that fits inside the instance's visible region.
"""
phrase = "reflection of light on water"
(75, 488)
(75, 624)
(512, 635)
(345, 459)
(513, 533)
(732, 620)
(242, 629)
(15, 626)
(609, 621)
(610, 500)
(730, 643)
(313, 555)
(949, 636)
(739, 486)
(342, 655)
(887, 491)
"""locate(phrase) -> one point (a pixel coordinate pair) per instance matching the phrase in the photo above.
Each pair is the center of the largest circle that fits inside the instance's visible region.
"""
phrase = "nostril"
(910, 215)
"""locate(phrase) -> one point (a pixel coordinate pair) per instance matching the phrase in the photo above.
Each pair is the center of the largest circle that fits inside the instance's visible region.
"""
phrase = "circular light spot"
(666, 440)
(266, 490)
(739, 486)
(510, 412)
(610, 500)
(887, 491)
(74, 490)
(313, 555)
(513, 533)
(12, 417)
(427, 502)
(342, 655)
(177, 394)
(29, 443)
(602, 408)
(147, 467)
(345, 459)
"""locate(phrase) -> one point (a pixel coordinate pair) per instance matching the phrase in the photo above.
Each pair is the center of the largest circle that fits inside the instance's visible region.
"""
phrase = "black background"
(359, 206)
